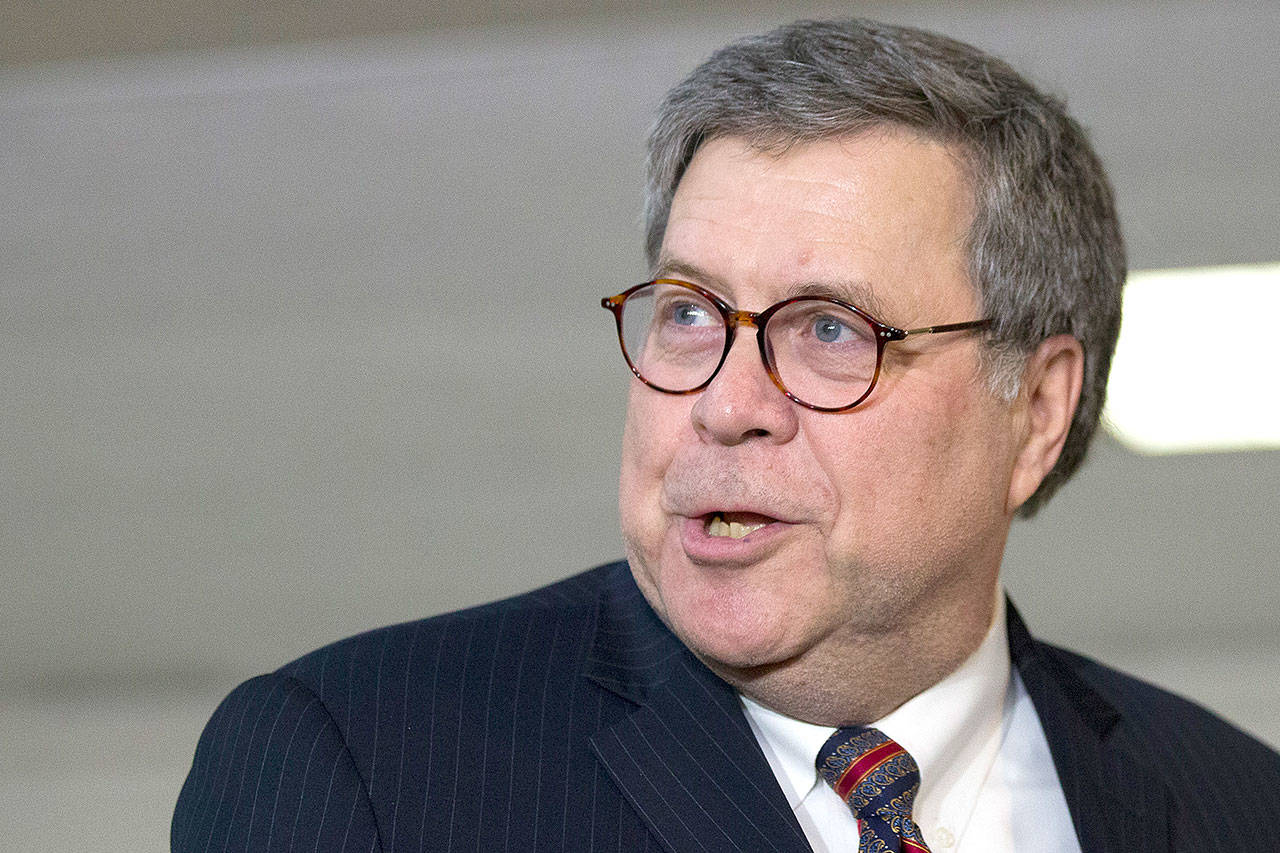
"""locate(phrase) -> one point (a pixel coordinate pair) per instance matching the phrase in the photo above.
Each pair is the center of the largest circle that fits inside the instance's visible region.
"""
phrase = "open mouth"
(735, 525)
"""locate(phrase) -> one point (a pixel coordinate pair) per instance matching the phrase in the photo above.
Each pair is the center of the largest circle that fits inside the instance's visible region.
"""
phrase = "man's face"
(883, 519)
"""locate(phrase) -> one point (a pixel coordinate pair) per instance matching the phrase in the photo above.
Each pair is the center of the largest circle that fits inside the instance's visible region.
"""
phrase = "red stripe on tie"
(866, 764)
(908, 844)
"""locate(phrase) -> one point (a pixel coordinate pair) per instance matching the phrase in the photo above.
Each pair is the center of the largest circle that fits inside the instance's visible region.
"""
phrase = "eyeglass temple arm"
(948, 327)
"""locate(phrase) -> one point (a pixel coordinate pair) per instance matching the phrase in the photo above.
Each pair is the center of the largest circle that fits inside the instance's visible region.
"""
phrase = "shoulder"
(1159, 713)
(1190, 746)
(458, 676)
(1182, 739)
(543, 627)
(321, 746)
(272, 772)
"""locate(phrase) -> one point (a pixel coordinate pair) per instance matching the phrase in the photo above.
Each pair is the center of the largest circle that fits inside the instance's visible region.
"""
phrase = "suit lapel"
(1117, 803)
(688, 763)
(686, 758)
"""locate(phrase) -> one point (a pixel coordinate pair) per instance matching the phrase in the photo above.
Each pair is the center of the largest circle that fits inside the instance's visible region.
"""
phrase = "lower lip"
(701, 547)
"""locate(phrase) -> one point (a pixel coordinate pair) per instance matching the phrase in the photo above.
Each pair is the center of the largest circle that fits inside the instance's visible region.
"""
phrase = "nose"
(742, 403)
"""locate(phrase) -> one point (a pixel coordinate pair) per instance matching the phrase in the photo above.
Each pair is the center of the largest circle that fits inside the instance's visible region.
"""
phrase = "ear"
(1051, 383)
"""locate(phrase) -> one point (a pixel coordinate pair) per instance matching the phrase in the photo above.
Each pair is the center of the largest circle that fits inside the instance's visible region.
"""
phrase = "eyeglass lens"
(823, 353)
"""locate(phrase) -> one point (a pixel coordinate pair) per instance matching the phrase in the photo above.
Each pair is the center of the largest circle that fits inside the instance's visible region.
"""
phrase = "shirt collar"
(947, 728)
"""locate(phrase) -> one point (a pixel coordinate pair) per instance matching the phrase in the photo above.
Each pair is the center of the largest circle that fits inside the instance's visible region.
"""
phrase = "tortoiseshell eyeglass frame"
(733, 318)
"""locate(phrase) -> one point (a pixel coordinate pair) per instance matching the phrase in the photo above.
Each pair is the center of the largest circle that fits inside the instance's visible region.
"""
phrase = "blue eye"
(690, 314)
(829, 329)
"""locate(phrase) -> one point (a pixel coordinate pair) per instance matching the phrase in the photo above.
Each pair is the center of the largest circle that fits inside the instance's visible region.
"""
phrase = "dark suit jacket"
(571, 719)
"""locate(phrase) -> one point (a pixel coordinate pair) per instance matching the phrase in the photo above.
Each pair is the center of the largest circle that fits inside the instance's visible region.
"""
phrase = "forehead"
(880, 218)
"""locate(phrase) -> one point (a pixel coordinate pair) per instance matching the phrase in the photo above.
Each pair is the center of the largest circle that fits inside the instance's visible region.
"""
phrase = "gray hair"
(1046, 254)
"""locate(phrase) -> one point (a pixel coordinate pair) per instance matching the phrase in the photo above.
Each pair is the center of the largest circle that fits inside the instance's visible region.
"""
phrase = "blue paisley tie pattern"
(878, 779)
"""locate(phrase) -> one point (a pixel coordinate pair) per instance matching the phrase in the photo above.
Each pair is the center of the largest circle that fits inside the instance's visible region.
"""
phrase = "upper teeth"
(733, 529)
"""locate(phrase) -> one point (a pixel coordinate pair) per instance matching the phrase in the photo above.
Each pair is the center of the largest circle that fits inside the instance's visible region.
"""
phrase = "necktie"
(878, 779)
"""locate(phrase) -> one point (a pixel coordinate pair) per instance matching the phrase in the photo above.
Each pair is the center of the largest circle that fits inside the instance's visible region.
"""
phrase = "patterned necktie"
(878, 780)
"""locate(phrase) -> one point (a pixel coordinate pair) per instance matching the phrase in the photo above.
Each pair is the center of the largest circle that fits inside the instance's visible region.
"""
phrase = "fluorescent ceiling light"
(1197, 367)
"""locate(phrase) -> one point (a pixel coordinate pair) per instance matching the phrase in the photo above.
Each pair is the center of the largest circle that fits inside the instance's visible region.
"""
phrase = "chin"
(730, 619)
(731, 637)
(738, 667)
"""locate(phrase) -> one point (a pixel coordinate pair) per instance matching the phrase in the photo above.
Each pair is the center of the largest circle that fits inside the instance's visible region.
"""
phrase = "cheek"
(641, 440)
(948, 486)
(866, 471)
(648, 443)
(902, 478)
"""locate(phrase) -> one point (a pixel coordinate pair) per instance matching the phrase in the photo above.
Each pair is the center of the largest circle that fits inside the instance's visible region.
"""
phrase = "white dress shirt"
(988, 784)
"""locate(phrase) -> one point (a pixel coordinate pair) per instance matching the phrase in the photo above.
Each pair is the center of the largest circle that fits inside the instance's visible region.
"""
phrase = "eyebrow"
(673, 268)
(854, 291)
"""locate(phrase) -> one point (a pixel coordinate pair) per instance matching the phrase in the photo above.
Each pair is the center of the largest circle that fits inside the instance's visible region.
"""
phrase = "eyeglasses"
(821, 352)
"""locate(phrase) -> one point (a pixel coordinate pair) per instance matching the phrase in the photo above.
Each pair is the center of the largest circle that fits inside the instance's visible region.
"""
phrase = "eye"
(691, 314)
(830, 330)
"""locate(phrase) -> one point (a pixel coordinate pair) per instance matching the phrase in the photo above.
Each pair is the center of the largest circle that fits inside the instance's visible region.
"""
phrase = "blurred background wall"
(300, 336)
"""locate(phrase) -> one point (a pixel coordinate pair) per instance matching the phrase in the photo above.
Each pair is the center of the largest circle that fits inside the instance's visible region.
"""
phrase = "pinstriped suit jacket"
(571, 719)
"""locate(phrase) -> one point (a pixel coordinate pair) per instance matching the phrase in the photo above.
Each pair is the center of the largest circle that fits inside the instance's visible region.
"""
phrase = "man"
(886, 288)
